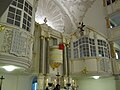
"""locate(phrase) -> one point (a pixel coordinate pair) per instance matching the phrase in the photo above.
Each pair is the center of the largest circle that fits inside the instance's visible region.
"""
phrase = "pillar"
(41, 77)
(68, 62)
(64, 61)
(41, 57)
(46, 55)
(47, 76)
(113, 58)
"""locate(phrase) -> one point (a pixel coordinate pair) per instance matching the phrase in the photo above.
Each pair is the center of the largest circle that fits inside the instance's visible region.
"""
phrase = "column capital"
(47, 75)
(2, 27)
(42, 37)
(40, 74)
(67, 45)
(48, 38)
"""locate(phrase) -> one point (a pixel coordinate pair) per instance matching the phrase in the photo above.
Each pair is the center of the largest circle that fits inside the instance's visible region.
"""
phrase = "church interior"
(59, 45)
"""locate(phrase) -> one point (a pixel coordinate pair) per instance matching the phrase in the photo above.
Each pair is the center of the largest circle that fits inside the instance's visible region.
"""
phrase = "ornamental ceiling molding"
(62, 13)
(77, 9)
(49, 10)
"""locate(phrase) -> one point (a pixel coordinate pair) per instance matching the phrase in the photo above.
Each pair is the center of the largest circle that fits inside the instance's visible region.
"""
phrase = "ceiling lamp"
(96, 77)
(9, 68)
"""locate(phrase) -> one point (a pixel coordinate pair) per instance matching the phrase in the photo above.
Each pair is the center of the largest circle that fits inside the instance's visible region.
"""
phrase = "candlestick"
(46, 82)
(55, 82)
(64, 82)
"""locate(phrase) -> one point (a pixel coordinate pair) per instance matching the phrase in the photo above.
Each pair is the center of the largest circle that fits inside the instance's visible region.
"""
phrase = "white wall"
(95, 17)
(15, 82)
(99, 84)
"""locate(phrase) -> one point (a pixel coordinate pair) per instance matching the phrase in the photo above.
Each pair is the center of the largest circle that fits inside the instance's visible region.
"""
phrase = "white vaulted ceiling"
(62, 15)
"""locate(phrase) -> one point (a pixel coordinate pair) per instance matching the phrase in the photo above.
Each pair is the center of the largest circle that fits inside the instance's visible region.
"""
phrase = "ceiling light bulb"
(96, 77)
(9, 68)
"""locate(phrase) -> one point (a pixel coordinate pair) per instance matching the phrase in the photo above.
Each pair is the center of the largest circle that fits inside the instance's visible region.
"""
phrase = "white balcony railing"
(114, 33)
(15, 46)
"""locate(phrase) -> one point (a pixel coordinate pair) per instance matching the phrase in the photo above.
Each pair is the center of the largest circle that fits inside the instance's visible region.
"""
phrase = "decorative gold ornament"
(84, 71)
(55, 65)
(112, 50)
(2, 27)
(98, 59)
(107, 22)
